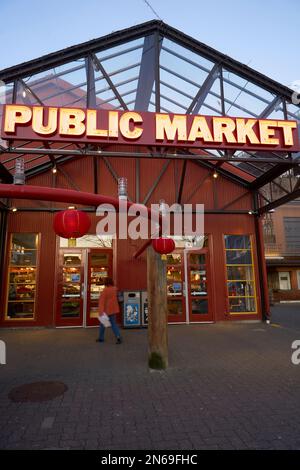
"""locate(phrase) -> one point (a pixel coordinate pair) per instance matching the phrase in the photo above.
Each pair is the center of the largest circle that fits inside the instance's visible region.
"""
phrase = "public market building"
(184, 124)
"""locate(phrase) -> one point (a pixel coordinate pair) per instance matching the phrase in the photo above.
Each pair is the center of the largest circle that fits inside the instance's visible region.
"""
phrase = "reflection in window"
(22, 274)
(199, 306)
(198, 284)
(175, 307)
(98, 273)
(71, 286)
(89, 241)
(174, 275)
(240, 274)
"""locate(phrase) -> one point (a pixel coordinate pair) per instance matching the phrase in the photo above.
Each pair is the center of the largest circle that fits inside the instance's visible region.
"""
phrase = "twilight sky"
(262, 34)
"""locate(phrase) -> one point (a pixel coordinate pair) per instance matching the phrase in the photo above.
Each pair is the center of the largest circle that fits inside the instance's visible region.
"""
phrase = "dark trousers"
(114, 326)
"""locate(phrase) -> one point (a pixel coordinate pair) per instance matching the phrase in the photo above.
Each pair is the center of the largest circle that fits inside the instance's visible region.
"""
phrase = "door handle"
(82, 290)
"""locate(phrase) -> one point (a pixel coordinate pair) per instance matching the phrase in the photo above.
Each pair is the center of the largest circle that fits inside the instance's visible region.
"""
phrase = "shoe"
(119, 341)
(99, 340)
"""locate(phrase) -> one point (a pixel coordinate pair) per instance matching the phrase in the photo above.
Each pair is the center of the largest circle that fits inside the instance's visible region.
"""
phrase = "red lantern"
(163, 246)
(71, 223)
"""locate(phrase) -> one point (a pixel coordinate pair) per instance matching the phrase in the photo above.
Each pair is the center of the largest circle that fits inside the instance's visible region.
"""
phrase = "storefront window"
(98, 273)
(71, 292)
(240, 274)
(199, 241)
(22, 276)
(174, 283)
(89, 241)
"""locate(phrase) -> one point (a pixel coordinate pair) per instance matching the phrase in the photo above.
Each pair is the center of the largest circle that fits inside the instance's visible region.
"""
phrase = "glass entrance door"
(199, 286)
(176, 287)
(80, 280)
(99, 268)
(70, 288)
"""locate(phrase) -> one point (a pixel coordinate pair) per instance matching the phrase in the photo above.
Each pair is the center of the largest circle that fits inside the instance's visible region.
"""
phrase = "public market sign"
(103, 126)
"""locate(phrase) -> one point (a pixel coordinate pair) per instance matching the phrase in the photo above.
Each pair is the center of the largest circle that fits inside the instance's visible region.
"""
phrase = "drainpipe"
(262, 271)
(3, 229)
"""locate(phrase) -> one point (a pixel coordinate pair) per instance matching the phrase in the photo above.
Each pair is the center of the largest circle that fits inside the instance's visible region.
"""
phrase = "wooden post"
(157, 310)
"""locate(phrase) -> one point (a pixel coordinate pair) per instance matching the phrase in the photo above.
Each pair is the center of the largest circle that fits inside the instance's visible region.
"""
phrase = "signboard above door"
(104, 126)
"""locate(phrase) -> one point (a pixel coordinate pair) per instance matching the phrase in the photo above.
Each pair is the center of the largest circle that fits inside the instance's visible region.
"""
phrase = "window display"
(240, 274)
(22, 276)
(71, 285)
(98, 272)
(198, 284)
(174, 283)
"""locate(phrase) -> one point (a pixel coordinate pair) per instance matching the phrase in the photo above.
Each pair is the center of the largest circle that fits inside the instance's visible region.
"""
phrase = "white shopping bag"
(104, 319)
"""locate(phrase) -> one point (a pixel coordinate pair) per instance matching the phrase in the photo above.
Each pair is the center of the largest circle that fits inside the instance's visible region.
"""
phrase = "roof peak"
(122, 36)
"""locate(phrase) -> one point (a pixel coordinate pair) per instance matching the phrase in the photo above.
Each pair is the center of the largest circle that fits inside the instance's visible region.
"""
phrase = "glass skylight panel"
(168, 76)
(6, 94)
(104, 98)
(185, 53)
(293, 110)
(176, 96)
(167, 106)
(104, 55)
(122, 61)
(59, 86)
(277, 113)
(123, 86)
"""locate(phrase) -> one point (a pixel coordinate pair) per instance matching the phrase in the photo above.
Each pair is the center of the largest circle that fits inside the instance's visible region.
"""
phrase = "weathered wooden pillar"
(157, 310)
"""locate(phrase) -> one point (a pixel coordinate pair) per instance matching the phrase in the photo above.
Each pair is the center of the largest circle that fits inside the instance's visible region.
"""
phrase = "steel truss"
(258, 172)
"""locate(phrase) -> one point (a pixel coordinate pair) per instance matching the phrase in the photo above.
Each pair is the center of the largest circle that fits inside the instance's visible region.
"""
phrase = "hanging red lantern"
(71, 224)
(163, 246)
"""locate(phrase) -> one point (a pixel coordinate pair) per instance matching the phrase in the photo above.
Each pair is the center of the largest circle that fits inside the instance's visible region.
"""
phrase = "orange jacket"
(108, 302)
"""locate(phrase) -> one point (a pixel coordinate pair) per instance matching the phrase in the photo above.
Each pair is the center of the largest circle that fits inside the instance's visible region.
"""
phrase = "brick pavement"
(228, 387)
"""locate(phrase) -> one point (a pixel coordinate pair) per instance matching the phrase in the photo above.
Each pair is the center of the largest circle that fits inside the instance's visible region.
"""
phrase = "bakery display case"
(22, 276)
(71, 285)
(99, 270)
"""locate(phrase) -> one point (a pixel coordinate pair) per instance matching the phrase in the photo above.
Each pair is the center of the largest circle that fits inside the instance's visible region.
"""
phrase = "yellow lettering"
(287, 127)
(224, 127)
(91, 125)
(16, 114)
(200, 130)
(71, 121)
(125, 120)
(37, 120)
(168, 128)
(267, 134)
(113, 122)
(244, 130)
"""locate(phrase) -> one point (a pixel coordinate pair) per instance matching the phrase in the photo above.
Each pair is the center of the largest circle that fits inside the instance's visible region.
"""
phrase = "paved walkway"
(229, 386)
(287, 315)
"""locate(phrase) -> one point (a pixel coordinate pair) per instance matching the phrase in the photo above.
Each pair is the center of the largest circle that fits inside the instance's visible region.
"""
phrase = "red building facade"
(220, 276)
(130, 273)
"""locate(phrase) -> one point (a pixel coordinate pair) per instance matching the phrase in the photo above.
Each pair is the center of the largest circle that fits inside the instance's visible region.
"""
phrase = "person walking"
(108, 303)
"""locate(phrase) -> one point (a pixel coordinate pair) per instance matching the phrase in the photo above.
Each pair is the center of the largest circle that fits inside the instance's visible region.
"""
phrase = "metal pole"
(157, 73)
(3, 230)
(261, 262)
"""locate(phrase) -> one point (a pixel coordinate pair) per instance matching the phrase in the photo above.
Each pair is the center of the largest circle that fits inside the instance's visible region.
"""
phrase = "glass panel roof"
(61, 86)
(189, 82)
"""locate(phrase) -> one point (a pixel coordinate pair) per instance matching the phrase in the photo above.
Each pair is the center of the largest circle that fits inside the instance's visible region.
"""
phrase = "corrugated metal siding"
(131, 274)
